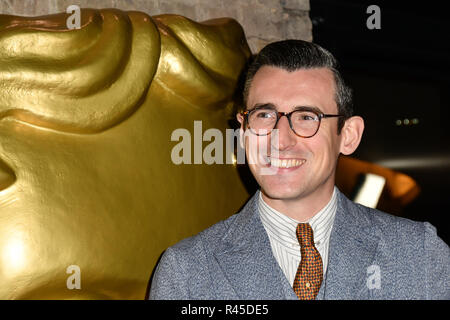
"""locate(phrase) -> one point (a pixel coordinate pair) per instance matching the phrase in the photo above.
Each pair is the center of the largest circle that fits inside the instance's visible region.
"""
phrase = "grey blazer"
(373, 255)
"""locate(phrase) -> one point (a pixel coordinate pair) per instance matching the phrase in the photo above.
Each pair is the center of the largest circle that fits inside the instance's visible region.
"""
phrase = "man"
(298, 237)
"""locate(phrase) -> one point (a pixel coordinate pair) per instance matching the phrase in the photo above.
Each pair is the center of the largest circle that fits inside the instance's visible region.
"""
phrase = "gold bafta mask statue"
(89, 194)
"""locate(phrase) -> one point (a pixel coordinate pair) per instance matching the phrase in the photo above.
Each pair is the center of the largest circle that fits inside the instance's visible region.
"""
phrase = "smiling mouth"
(285, 163)
(7, 176)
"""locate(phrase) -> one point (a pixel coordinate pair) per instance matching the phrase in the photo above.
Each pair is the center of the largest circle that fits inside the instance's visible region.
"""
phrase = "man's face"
(311, 171)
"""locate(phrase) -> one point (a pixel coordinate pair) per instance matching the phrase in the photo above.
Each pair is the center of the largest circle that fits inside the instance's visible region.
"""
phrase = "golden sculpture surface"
(86, 176)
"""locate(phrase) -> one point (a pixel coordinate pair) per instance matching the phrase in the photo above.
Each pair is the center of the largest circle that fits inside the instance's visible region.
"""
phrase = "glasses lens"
(262, 121)
(305, 123)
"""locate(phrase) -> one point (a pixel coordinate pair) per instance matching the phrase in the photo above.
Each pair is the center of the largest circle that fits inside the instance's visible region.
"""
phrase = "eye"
(308, 117)
(264, 114)
(305, 116)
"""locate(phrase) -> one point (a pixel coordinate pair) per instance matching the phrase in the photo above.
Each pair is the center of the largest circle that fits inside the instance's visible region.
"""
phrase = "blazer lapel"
(353, 247)
(247, 261)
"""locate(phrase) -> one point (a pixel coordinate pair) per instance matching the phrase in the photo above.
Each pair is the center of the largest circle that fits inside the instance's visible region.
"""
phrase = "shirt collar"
(283, 228)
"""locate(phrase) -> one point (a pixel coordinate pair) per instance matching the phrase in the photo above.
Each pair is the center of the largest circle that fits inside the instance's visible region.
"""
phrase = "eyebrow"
(296, 108)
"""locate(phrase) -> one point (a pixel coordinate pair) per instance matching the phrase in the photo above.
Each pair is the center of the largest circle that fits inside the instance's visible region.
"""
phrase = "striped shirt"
(281, 230)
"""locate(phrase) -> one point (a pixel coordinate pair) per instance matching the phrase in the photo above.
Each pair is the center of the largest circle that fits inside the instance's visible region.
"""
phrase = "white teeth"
(284, 163)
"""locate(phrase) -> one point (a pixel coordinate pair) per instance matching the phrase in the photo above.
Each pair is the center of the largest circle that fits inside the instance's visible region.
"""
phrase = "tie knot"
(305, 234)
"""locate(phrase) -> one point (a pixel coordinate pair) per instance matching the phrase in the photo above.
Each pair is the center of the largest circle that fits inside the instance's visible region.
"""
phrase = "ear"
(351, 135)
(240, 118)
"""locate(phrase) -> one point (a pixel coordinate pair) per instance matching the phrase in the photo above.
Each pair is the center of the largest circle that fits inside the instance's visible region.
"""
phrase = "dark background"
(398, 72)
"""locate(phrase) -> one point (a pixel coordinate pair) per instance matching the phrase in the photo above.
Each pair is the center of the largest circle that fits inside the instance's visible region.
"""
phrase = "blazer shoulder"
(420, 252)
(400, 231)
(184, 263)
(389, 224)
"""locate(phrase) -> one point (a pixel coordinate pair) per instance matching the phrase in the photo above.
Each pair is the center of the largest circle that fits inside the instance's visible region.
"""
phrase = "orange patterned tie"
(309, 273)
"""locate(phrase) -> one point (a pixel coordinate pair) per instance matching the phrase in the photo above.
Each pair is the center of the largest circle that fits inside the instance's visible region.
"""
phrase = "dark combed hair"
(292, 55)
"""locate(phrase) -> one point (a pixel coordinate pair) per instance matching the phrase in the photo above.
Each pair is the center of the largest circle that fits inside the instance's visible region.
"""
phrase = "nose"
(284, 138)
